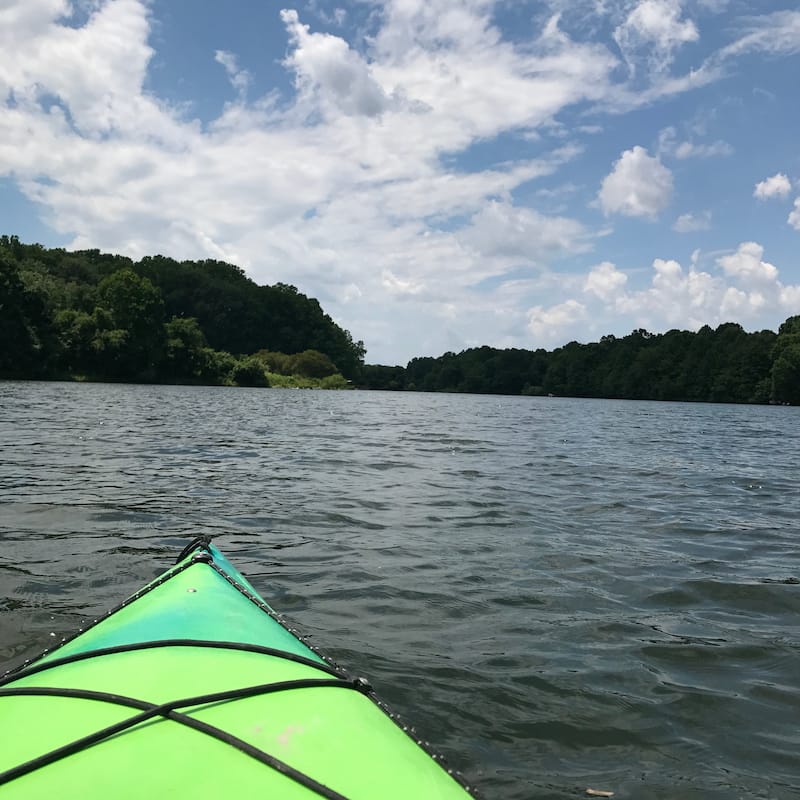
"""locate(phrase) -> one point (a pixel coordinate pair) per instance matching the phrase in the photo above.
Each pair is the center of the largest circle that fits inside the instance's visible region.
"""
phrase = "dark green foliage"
(216, 367)
(249, 372)
(134, 347)
(726, 365)
(377, 376)
(312, 364)
(785, 374)
(25, 326)
(184, 351)
(106, 317)
(309, 363)
(238, 316)
(276, 362)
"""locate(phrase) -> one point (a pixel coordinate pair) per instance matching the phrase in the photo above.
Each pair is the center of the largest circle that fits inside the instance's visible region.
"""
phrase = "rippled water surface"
(560, 594)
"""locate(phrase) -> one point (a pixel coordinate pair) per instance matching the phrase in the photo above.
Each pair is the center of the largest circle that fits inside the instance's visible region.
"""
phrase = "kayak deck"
(194, 687)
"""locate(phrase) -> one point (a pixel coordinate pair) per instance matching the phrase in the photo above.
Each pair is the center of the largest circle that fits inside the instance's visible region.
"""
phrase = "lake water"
(559, 594)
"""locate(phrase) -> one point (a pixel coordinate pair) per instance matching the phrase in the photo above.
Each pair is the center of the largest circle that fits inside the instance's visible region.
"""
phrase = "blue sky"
(441, 174)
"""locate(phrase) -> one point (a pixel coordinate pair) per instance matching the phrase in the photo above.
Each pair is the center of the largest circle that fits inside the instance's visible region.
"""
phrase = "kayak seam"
(36, 668)
(168, 711)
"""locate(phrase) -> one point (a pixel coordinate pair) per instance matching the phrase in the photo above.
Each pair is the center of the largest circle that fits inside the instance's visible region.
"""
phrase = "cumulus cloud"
(325, 66)
(639, 185)
(777, 185)
(689, 223)
(510, 234)
(346, 186)
(550, 324)
(747, 265)
(653, 31)
(745, 288)
(689, 298)
(794, 215)
(605, 281)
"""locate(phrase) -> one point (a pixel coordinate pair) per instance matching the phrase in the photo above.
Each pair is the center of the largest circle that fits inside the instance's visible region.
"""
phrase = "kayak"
(194, 687)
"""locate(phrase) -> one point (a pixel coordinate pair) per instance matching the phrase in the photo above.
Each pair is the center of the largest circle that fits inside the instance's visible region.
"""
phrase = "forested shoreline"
(87, 315)
(723, 365)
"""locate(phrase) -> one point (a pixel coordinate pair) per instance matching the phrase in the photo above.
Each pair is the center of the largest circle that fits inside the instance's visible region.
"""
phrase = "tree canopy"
(107, 317)
(726, 365)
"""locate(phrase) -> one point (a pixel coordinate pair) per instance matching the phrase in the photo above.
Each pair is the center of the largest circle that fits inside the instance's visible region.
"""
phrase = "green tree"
(785, 374)
(24, 324)
(183, 350)
(137, 310)
(276, 362)
(135, 304)
(250, 372)
(312, 364)
(76, 331)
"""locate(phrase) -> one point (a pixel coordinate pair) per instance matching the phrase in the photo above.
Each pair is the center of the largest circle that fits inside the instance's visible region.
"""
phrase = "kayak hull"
(195, 687)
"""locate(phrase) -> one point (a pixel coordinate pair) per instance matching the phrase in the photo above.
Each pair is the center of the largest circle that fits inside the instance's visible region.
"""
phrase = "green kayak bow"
(195, 688)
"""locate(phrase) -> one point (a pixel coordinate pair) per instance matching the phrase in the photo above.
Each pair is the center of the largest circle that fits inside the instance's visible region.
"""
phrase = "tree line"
(99, 316)
(106, 317)
(725, 365)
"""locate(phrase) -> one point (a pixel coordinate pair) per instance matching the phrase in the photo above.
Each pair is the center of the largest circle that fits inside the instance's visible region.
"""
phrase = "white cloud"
(240, 78)
(509, 235)
(794, 216)
(97, 70)
(691, 298)
(790, 299)
(653, 32)
(688, 223)
(551, 324)
(605, 281)
(346, 188)
(337, 17)
(668, 145)
(777, 185)
(777, 33)
(711, 150)
(328, 71)
(638, 186)
(746, 289)
(397, 286)
(714, 6)
(747, 266)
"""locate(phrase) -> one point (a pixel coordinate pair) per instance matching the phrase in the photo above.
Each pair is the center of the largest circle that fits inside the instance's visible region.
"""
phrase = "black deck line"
(167, 710)
(200, 546)
(36, 667)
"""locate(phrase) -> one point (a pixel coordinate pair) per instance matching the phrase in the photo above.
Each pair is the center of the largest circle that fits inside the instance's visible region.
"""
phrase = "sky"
(440, 174)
